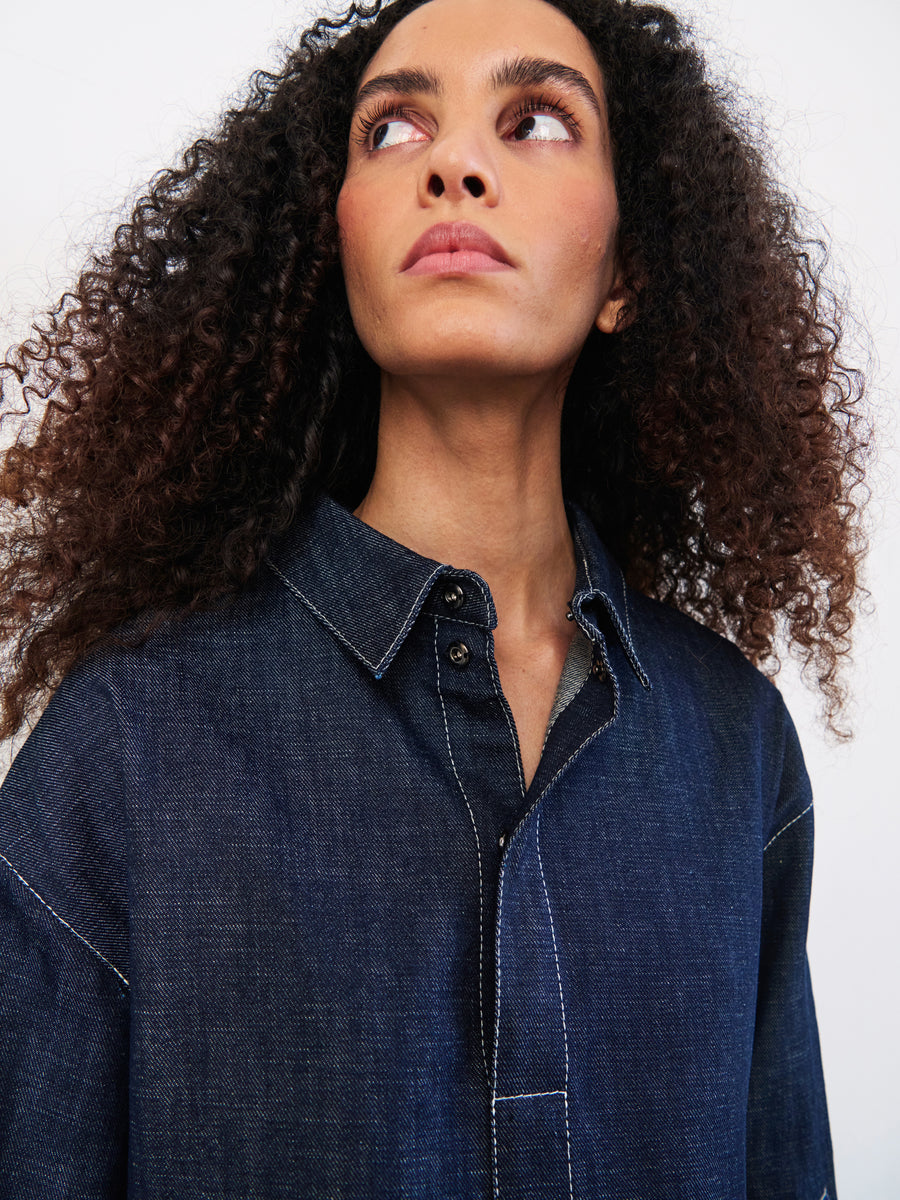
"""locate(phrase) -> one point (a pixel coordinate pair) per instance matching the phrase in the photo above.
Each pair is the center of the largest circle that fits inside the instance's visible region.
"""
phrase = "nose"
(460, 166)
(471, 183)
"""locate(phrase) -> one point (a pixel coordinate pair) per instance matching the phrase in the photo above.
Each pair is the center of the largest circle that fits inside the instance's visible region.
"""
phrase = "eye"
(394, 133)
(544, 119)
(388, 125)
(541, 127)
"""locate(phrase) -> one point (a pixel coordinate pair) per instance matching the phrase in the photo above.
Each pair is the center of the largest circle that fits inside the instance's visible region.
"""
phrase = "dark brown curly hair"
(202, 382)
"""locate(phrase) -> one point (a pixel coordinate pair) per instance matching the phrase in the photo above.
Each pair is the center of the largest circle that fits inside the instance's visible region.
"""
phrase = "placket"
(521, 991)
(478, 735)
(530, 1119)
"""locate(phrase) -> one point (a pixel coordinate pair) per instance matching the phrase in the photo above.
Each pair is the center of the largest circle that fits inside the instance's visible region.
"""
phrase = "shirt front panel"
(361, 959)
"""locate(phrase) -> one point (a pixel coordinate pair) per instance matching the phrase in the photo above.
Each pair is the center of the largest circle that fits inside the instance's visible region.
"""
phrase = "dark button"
(597, 668)
(459, 654)
(453, 595)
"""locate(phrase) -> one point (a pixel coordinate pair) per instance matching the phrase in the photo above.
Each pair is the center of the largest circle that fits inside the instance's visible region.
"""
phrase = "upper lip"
(451, 236)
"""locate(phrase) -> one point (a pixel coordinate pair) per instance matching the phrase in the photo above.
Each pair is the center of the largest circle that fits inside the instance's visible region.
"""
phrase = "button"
(502, 840)
(459, 654)
(454, 595)
(597, 668)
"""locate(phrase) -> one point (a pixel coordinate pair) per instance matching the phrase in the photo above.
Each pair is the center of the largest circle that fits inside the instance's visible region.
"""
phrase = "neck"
(470, 475)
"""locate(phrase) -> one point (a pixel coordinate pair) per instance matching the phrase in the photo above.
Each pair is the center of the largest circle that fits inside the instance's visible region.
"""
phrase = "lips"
(455, 247)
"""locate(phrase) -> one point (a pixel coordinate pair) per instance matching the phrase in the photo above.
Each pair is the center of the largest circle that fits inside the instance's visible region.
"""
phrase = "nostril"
(475, 186)
(436, 185)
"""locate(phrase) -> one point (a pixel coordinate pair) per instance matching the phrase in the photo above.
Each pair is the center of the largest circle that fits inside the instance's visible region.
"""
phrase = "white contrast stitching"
(337, 633)
(404, 629)
(562, 1006)
(62, 921)
(478, 848)
(623, 632)
(784, 827)
(625, 639)
(574, 754)
(625, 606)
(458, 620)
(309, 604)
(552, 725)
(587, 573)
(497, 1033)
(494, 1097)
(531, 1095)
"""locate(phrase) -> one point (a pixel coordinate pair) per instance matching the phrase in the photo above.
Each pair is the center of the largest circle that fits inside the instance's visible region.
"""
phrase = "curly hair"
(202, 382)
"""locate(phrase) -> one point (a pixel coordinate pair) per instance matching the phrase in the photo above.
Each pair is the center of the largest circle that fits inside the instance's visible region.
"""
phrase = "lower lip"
(456, 262)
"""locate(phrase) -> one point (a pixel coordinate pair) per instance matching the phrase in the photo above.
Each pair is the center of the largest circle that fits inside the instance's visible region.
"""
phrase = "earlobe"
(608, 317)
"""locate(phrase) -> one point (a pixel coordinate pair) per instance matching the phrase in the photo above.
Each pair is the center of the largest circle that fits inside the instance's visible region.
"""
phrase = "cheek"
(359, 258)
(361, 241)
(350, 227)
(577, 249)
(592, 223)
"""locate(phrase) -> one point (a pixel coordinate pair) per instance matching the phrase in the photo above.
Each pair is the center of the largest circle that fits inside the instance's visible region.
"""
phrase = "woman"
(379, 839)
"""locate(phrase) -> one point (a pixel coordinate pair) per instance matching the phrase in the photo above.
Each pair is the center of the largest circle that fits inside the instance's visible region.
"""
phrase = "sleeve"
(64, 1007)
(788, 1141)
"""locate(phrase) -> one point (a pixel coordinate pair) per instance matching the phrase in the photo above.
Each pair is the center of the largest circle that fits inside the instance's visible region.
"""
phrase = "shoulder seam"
(787, 826)
(62, 921)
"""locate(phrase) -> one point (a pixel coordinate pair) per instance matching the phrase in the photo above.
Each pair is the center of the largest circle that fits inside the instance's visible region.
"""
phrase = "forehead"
(464, 38)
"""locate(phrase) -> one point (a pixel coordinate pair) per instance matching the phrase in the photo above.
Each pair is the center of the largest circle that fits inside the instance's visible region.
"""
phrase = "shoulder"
(717, 704)
(190, 652)
(688, 658)
(63, 825)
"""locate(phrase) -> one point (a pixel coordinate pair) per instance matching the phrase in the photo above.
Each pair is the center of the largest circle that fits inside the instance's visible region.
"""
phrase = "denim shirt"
(280, 919)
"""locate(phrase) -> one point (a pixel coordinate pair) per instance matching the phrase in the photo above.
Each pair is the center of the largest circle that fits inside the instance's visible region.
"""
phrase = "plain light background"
(96, 96)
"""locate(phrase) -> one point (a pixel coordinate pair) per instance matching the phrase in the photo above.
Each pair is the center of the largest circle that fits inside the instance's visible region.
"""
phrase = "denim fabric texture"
(279, 919)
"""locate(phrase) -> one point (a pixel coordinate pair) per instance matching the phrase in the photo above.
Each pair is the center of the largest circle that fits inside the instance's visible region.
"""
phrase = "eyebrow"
(515, 72)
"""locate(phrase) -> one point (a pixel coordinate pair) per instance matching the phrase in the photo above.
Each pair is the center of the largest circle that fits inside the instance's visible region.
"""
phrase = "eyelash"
(389, 109)
(385, 108)
(544, 104)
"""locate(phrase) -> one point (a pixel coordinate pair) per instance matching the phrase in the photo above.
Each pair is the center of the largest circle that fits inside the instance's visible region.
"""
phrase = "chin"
(473, 339)
(458, 365)
(450, 352)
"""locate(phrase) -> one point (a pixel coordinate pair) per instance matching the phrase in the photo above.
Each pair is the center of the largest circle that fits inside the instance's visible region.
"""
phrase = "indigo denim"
(280, 920)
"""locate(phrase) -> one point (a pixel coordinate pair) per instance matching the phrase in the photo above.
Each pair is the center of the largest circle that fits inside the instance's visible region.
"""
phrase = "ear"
(608, 316)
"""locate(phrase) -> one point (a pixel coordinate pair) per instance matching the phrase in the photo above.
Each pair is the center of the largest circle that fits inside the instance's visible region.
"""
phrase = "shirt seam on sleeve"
(787, 826)
(64, 922)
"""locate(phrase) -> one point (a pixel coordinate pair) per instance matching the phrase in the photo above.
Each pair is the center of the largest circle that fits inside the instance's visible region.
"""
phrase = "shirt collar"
(368, 590)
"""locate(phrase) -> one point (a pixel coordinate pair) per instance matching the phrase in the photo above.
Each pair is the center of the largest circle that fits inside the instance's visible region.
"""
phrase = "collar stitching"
(624, 637)
(309, 604)
(411, 615)
(377, 668)
(458, 620)
(625, 603)
(624, 633)
(584, 561)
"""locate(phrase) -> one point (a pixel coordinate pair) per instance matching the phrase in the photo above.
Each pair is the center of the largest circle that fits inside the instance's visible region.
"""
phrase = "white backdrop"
(95, 96)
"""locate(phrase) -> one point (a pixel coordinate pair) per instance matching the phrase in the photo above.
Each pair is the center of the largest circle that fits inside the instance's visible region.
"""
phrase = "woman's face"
(480, 125)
